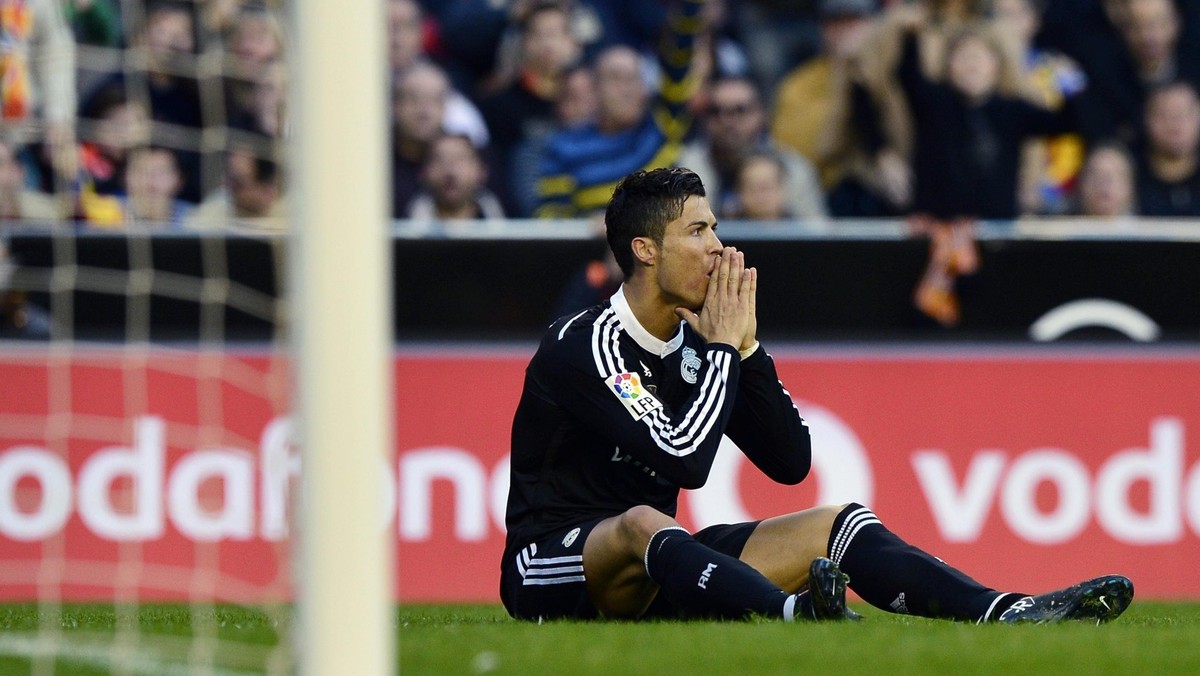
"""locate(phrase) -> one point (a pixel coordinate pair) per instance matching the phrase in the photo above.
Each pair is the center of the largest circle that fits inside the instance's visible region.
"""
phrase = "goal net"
(171, 215)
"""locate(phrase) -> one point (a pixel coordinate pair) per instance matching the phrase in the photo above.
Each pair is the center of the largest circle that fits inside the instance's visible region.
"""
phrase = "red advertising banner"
(171, 475)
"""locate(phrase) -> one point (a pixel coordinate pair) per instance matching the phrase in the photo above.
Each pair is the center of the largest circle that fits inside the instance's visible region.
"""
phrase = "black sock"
(893, 575)
(701, 582)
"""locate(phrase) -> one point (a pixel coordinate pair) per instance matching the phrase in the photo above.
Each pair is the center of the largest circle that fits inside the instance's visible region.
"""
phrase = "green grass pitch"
(1151, 638)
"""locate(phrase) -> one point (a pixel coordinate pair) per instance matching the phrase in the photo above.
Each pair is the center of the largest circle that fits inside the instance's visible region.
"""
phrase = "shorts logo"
(570, 538)
(690, 366)
(628, 389)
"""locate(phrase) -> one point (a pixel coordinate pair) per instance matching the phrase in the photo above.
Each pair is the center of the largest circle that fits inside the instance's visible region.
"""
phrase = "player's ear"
(645, 250)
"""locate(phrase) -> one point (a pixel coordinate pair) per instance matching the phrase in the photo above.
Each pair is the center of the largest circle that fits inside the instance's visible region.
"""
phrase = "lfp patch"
(628, 389)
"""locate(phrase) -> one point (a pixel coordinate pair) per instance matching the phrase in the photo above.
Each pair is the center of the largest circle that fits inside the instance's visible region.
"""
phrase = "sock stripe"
(646, 557)
(1003, 601)
(854, 522)
(988, 614)
(838, 545)
(789, 608)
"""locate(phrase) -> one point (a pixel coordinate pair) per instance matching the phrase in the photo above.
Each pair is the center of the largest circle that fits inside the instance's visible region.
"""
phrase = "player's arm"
(766, 425)
(600, 385)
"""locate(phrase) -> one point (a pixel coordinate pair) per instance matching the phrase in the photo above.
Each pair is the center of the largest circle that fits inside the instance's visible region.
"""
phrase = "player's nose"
(714, 243)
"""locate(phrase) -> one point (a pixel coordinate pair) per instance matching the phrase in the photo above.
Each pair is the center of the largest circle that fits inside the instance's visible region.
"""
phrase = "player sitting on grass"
(625, 403)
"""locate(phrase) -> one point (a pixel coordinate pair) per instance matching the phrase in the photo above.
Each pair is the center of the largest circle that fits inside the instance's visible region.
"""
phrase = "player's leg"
(893, 575)
(884, 570)
(630, 558)
(783, 547)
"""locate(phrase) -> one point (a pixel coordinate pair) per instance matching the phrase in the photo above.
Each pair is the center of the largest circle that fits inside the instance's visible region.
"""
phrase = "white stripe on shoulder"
(606, 347)
(531, 581)
(570, 321)
(598, 341)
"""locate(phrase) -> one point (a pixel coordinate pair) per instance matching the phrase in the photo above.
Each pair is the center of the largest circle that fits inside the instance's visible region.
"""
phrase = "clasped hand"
(728, 315)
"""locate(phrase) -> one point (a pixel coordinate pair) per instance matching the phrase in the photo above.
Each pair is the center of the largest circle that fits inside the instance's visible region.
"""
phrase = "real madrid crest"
(690, 365)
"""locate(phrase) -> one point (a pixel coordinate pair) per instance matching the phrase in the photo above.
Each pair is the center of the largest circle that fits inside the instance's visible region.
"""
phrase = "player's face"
(689, 248)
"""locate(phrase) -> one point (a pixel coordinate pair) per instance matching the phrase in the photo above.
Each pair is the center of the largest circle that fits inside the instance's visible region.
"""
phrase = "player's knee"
(639, 523)
(827, 514)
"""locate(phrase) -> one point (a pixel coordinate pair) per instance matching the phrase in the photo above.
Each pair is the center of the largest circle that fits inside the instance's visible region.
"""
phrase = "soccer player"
(625, 403)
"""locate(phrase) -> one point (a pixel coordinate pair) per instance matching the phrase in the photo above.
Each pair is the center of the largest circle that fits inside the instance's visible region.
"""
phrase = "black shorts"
(545, 580)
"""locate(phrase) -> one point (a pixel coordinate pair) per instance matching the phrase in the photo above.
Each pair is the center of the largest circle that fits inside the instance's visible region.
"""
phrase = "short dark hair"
(642, 204)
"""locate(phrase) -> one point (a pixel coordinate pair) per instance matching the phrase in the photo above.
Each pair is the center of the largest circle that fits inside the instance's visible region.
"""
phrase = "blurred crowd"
(170, 113)
(944, 111)
(166, 113)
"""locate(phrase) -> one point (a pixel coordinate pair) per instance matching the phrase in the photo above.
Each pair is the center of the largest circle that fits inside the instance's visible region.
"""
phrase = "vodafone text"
(256, 489)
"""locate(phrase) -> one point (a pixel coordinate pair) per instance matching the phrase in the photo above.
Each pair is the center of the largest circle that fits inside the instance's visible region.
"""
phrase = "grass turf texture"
(1151, 638)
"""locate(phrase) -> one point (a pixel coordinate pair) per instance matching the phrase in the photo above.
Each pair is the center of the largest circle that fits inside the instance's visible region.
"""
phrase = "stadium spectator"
(406, 40)
(1169, 171)
(154, 181)
(969, 132)
(812, 100)
(576, 104)
(217, 19)
(969, 129)
(17, 201)
(37, 82)
(113, 124)
(627, 402)
(418, 106)
(454, 178)
(1155, 36)
(878, 110)
(251, 197)
(1049, 165)
(1107, 188)
(267, 111)
(716, 55)
(574, 108)
(735, 127)
(1089, 31)
(152, 184)
(159, 73)
(1126, 47)
(761, 190)
(255, 43)
(580, 166)
(166, 39)
(523, 111)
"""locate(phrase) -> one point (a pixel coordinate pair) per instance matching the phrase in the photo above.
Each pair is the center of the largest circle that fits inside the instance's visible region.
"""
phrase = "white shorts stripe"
(553, 580)
(550, 572)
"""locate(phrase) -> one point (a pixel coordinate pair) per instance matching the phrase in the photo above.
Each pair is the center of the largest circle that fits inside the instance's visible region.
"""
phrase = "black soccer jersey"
(612, 417)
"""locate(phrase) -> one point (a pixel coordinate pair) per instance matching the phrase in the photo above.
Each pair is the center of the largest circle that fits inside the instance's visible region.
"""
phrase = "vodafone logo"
(1143, 495)
(839, 463)
(995, 479)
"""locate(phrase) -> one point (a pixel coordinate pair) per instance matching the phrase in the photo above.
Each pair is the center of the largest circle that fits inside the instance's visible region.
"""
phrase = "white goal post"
(340, 274)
